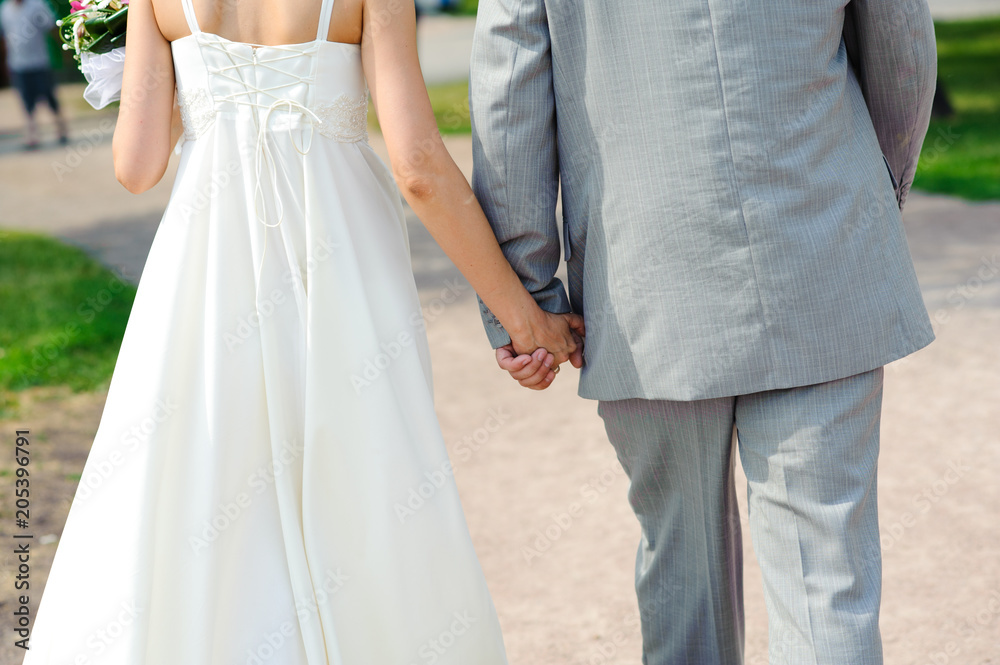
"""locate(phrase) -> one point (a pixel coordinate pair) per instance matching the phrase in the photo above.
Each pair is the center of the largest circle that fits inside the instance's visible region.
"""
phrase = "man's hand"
(538, 370)
(531, 371)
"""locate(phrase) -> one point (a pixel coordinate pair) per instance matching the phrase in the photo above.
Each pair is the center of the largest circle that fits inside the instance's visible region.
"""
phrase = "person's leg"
(689, 568)
(48, 93)
(810, 455)
(23, 84)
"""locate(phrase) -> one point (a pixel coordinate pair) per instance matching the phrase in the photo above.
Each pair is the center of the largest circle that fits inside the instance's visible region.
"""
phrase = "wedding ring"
(555, 370)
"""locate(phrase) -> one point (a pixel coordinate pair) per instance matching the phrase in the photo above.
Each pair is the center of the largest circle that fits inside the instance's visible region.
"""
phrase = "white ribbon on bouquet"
(104, 76)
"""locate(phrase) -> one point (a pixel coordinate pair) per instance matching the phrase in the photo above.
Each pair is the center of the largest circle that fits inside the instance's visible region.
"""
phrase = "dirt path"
(563, 584)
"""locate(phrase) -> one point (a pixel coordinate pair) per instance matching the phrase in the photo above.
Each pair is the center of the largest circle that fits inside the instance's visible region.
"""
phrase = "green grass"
(961, 155)
(466, 8)
(451, 108)
(62, 316)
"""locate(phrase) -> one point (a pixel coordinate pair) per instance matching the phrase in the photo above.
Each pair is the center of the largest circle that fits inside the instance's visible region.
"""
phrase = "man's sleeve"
(891, 45)
(515, 159)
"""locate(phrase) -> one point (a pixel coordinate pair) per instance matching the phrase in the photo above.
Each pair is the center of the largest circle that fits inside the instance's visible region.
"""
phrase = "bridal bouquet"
(95, 31)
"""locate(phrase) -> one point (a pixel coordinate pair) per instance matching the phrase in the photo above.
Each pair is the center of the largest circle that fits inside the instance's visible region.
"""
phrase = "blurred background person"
(24, 24)
(426, 7)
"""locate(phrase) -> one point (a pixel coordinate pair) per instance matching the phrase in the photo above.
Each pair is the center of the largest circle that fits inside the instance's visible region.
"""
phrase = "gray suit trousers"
(810, 455)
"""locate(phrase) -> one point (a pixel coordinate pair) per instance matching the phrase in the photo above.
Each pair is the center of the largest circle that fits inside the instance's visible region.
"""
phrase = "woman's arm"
(435, 187)
(142, 142)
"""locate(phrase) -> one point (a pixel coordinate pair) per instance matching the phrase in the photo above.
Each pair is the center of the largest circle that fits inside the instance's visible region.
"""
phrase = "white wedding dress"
(249, 497)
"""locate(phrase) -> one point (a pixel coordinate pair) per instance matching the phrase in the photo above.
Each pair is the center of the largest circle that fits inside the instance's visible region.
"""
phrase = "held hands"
(538, 348)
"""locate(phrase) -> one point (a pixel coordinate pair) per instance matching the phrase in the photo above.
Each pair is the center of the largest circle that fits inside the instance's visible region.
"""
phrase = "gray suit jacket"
(732, 175)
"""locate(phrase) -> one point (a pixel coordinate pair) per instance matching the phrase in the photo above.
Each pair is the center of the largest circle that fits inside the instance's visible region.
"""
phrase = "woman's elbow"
(139, 164)
(136, 174)
(416, 187)
(132, 183)
(420, 180)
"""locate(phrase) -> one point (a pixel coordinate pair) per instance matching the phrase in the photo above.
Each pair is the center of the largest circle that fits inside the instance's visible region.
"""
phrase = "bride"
(237, 504)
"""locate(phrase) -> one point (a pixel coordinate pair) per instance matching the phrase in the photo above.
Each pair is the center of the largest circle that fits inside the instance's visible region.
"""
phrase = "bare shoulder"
(262, 21)
(169, 15)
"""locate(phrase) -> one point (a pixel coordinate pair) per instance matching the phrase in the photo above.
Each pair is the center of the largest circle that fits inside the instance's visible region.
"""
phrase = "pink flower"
(76, 6)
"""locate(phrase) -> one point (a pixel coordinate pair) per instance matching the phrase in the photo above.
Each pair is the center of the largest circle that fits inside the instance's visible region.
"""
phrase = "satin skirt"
(249, 497)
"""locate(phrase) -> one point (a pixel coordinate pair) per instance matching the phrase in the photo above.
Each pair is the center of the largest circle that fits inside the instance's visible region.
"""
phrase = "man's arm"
(891, 44)
(516, 169)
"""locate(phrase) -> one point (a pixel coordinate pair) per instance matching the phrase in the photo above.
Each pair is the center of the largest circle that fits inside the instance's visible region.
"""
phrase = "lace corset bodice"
(271, 86)
(260, 110)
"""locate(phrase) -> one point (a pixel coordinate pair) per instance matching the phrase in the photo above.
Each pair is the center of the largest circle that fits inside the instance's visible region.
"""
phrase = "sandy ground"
(573, 603)
(964, 9)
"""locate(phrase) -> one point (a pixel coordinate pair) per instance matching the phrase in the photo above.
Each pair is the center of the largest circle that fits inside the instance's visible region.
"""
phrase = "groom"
(732, 175)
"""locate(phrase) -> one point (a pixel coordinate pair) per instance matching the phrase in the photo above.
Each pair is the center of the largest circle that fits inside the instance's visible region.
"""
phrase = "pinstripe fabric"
(810, 456)
(689, 566)
(731, 224)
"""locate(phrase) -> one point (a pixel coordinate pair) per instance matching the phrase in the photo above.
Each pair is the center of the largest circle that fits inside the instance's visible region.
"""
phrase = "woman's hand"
(559, 334)
(538, 370)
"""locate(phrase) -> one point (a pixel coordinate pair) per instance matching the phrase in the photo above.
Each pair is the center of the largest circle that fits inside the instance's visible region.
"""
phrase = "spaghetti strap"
(189, 15)
(325, 12)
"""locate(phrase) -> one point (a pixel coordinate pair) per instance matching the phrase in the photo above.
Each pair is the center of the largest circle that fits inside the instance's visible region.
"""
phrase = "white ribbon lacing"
(264, 157)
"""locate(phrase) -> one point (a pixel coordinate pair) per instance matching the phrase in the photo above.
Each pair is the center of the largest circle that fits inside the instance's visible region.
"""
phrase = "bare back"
(262, 21)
